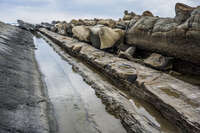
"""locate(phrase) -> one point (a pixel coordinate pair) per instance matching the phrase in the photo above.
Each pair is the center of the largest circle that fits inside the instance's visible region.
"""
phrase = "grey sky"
(35, 11)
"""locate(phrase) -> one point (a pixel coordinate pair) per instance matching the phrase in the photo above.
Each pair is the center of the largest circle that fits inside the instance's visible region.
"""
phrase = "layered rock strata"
(178, 37)
(176, 100)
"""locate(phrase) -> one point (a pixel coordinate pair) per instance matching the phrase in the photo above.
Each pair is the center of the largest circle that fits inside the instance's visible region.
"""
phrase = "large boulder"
(64, 28)
(82, 33)
(103, 37)
(166, 36)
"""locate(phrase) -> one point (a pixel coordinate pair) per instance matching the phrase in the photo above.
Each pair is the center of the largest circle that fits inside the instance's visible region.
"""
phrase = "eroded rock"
(159, 62)
(104, 37)
(82, 33)
(166, 36)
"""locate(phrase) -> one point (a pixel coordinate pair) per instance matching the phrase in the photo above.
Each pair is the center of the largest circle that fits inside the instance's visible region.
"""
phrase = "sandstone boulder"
(104, 37)
(82, 33)
(158, 61)
(64, 28)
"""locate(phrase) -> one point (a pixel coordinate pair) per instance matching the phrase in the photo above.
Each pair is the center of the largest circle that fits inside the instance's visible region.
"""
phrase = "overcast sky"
(36, 11)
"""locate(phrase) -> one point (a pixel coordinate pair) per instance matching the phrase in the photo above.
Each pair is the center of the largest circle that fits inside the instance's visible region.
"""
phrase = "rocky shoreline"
(170, 96)
(138, 53)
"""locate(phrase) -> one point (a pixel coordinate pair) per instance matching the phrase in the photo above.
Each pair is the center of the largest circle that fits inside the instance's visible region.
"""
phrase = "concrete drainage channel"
(76, 107)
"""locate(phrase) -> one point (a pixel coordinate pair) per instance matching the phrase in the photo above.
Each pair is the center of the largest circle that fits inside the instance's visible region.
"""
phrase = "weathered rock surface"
(23, 104)
(104, 37)
(64, 28)
(82, 33)
(168, 37)
(178, 101)
(25, 25)
(159, 62)
(183, 12)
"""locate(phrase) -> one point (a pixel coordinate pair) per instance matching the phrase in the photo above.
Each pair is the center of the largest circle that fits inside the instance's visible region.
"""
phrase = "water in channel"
(77, 109)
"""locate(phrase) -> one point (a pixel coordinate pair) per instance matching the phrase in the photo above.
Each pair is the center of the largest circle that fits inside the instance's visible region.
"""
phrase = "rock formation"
(104, 37)
(166, 36)
(25, 25)
(82, 33)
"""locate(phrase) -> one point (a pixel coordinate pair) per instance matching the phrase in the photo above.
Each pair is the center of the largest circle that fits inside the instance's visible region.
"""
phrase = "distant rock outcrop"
(128, 16)
(26, 25)
(147, 13)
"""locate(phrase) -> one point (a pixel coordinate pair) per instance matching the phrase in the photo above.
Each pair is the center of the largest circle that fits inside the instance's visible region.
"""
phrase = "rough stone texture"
(23, 105)
(64, 28)
(104, 37)
(25, 25)
(166, 36)
(82, 33)
(178, 101)
(159, 62)
(183, 12)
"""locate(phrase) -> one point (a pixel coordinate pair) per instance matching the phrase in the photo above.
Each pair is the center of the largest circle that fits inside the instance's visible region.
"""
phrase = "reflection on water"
(77, 109)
